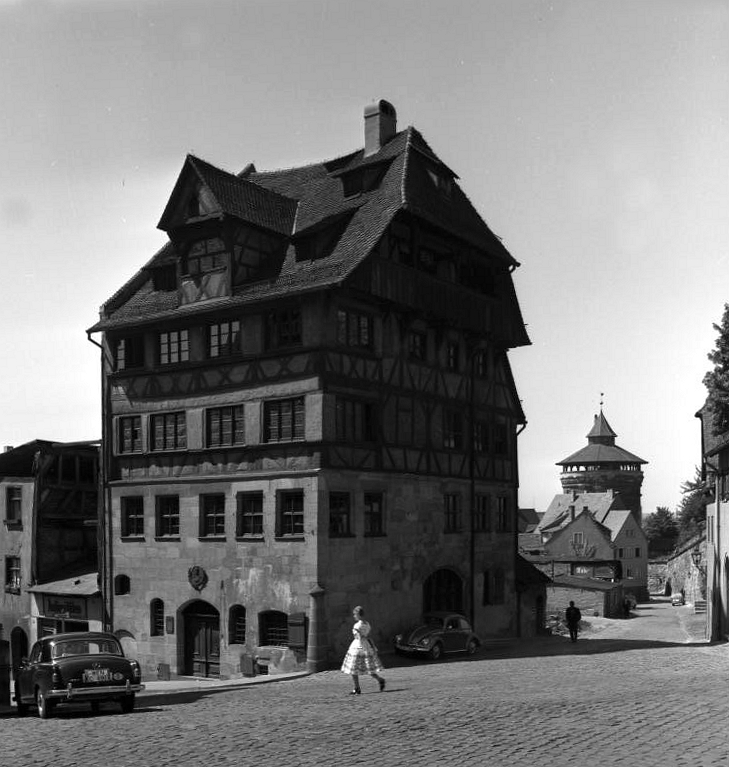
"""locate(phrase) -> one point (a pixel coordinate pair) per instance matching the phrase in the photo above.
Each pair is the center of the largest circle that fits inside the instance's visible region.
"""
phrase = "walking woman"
(362, 657)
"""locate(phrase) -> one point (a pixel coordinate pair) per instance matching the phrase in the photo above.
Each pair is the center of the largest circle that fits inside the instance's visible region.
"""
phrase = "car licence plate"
(97, 675)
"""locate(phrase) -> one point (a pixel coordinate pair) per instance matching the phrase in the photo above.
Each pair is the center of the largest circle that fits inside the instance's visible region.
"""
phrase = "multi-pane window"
(290, 513)
(168, 431)
(452, 511)
(417, 345)
(156, 618)
(354, 420)
(130, 353)
(480, 437)
(502, 514)
(283, 329)
(578, 539)
(249, 517)
(480, 363)
(284, 420)
(482, 519)
(453, 430)
(132, 516)
(340, 520)
(225, 426)
(237, 625)
(12, 575)
(14, 505)
(167, 516)
(354, 329)
(374, 516)
(224, 339)
(174, 346)
(130, 434)
(453, 352)
(212, 515)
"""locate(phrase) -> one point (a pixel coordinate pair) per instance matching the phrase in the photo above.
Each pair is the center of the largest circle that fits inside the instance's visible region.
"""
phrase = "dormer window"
(205, 256)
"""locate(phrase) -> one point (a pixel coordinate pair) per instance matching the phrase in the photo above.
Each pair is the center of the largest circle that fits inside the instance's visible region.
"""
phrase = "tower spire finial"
(602, 394)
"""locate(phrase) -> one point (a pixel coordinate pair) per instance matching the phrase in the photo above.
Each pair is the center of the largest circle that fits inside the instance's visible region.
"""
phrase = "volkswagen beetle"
(73, 668)
(440, 633)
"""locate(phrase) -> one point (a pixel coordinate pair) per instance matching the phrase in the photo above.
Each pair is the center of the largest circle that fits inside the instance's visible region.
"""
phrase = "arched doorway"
(201, 638)
(18, 646)
(443, 590)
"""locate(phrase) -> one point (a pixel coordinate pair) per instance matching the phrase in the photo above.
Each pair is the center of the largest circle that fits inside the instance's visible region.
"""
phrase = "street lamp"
(697, 557)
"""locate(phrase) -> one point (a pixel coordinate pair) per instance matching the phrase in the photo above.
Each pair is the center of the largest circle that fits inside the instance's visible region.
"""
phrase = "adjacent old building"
(308, 405)
(48, 541)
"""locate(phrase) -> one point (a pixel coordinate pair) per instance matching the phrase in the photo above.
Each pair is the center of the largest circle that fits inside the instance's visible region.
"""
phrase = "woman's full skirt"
(361, 658)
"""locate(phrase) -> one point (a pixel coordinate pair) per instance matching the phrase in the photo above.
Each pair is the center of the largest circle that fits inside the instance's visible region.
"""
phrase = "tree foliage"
(717, 379)
(691, 512)
(660, 524)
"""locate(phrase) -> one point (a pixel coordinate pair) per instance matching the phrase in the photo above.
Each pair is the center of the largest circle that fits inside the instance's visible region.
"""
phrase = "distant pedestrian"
(362, 657)
(626, 607)
(573, 616)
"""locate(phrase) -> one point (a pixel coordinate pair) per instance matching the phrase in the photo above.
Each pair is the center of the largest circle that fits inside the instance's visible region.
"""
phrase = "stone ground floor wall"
(590, 602)
(176, 592)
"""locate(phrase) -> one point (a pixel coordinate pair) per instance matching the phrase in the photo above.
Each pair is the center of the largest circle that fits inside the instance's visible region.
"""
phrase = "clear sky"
(592, 135)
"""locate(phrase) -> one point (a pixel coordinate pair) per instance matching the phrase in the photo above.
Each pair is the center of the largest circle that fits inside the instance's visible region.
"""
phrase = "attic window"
(442, 182)
(205, 256)
(322, 243)
(363, 179)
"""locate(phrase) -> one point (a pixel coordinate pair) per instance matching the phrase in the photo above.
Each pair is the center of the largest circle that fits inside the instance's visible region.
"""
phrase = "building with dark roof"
(48, 506)
(602, 465)
(307, 405)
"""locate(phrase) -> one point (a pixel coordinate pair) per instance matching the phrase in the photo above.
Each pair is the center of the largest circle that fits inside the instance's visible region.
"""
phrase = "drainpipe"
(104, 538)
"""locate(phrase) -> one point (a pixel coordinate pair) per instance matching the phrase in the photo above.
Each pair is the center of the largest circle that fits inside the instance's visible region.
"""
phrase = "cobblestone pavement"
(628, 692)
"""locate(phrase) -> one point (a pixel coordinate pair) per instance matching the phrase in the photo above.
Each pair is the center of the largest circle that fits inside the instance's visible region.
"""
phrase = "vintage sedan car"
(73, 668)
(439, 633)
(677, 600)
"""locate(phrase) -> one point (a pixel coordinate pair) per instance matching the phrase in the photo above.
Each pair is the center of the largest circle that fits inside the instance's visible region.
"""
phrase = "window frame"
(131, 520)
(216, 419)
(236, 618)
(453, 513)
(290, 514)
(212, 515)
(249, 517)
(340, 515)
(355, 329)
(13, 575)
(129, 353)
(14, 507)
(297, 415)
(173, 347)
(129, 434)
(354, 420)
(482, 513)
(167, 521)
(230, 330)
(374, 519)
(156, 617)
(172, 425)
(418, 345)
(502, 514)
(284, 329)
(453, 421)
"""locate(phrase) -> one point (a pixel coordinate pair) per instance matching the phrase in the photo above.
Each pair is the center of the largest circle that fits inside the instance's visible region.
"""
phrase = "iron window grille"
(156, 618)
(237, 625)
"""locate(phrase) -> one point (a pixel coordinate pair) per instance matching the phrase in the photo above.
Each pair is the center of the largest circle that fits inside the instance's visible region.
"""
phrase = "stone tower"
(603, 466)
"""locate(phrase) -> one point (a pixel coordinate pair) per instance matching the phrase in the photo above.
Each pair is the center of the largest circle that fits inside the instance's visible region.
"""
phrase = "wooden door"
(202, 644)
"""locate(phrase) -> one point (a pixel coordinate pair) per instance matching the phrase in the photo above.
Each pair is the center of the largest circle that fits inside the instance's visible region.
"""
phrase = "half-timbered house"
(308, 405)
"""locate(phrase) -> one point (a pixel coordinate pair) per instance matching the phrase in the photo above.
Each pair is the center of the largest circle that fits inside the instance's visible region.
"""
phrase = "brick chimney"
(380, 124)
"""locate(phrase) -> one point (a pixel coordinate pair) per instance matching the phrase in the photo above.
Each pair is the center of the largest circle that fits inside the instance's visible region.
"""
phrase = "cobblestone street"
(629, 692)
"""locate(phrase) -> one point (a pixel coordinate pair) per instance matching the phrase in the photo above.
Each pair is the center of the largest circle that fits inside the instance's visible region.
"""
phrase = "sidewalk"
(191, 685)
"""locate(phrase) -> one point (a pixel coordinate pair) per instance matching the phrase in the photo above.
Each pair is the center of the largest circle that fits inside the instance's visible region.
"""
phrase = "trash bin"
(163, 672)
(247, 665)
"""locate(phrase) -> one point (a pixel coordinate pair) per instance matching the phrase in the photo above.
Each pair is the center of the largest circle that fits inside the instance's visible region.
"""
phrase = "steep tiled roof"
(591, 454)
(295, 201)
(558, 513)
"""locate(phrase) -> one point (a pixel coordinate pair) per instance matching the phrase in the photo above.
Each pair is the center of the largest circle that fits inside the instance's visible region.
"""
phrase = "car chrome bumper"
(90, 693)
(412, 648)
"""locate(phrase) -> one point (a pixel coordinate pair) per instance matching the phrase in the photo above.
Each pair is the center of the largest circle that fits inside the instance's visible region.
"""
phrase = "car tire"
(472, 647)
(45, 707)
(436, 651)
(127, 704)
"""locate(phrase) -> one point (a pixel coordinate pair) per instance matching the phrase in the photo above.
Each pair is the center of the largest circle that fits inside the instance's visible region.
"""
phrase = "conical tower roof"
(601, 448)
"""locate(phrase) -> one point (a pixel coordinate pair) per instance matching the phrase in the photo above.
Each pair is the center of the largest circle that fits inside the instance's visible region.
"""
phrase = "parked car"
(73, 668)
(439, 633)
(678, 599)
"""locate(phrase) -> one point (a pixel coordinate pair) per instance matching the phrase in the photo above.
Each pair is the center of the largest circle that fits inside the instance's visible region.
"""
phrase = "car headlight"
(398, 638)
(425, 641)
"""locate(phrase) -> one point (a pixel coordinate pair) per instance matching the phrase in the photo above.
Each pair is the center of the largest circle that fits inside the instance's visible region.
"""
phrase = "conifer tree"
(717, 380)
